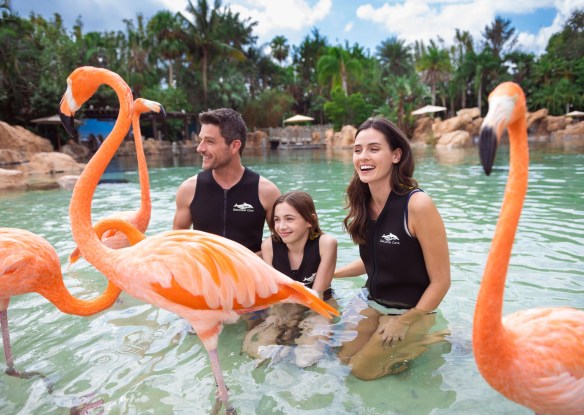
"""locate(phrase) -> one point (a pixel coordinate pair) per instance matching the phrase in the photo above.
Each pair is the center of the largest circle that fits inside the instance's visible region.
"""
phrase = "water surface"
(139, 359)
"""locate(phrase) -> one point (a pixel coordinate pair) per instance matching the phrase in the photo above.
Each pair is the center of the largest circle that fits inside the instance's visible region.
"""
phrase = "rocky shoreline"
(28, 162)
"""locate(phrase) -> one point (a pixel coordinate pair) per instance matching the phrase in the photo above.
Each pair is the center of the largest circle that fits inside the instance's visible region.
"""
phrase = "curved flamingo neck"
(80, 207)
(145, 202)
(488, 328)
(60, 296)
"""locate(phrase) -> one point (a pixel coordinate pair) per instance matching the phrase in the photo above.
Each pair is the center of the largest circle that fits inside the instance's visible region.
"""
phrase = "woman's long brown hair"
(401, 180)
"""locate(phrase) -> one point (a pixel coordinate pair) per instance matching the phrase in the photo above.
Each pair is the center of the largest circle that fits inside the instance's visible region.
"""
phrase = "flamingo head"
(81, 85)
(506, 106)
(142, 105)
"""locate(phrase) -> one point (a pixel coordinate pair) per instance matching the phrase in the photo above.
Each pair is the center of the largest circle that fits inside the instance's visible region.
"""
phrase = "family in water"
(400, 235)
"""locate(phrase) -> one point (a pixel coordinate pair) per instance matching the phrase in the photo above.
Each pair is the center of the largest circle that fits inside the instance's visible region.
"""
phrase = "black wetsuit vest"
(397, 275)
(306, 272)
(235, 213)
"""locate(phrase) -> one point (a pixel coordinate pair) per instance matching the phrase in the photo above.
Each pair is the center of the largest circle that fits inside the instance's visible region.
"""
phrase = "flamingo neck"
(145, 201)
(64, 301)
(488, 327)
(80, 207)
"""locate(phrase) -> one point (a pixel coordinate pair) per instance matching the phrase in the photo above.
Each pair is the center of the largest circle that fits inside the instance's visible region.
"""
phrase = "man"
(226, 198)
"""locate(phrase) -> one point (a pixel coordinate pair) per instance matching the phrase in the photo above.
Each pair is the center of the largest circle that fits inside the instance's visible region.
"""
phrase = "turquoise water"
(139, 359)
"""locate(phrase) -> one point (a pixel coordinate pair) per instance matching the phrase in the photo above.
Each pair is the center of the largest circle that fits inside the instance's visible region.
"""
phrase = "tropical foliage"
(207, 57)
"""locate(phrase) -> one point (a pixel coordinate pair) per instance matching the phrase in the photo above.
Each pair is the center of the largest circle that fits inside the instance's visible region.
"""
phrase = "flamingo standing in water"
(206, 279)
(140, 218)
(534, 357)
(28, 263)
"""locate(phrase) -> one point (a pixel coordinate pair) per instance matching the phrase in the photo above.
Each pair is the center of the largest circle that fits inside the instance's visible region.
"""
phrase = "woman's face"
(289, 225)
(372, 157)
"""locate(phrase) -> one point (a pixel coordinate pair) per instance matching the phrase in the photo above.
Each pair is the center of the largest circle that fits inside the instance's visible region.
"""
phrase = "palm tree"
(164, 30)
(395, 57)
(201, 37)
(499, 37)
(280, 48)
(338, 66)
(434, 63)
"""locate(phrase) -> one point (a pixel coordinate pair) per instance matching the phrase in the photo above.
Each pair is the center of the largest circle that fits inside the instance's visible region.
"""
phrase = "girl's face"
(289, 225)
(372, 157)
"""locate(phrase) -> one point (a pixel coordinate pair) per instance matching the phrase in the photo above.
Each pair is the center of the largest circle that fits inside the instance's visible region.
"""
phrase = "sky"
(367, 23)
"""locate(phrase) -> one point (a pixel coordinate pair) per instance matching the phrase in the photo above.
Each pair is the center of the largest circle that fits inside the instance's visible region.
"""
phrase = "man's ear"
(236, 145)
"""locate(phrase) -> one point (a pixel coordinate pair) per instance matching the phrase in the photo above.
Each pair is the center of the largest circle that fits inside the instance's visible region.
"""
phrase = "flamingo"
(533, 357)
(28, 263)
(140, 218)
(204, 278)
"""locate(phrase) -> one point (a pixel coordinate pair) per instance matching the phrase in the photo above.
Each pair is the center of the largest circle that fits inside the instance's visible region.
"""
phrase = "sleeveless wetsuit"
(397, 275)
(306, 272)
(235, 213)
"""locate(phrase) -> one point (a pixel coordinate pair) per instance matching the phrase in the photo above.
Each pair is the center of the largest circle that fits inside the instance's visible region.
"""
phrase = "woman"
(299, 249)
(403, 250)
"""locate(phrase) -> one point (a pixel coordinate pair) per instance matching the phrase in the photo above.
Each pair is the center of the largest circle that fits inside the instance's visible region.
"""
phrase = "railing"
(296, 134)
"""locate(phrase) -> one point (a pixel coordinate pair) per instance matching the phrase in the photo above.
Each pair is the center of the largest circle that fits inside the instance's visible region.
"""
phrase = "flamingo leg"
(221, 387)
(6, 341)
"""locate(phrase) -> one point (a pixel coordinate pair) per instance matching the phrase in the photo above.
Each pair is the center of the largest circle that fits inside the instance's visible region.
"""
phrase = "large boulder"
(348, 133)
(11, 179)
(423, 131)
(532, 117)
(12, 157)
(78, 151)
(571, 138)
(51, 163)
(459, 122)
(455, 139)
(256, 139)
(21, 139)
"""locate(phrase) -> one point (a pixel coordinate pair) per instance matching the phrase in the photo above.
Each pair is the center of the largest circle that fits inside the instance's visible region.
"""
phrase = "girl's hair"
(400, 179)
(304, 205)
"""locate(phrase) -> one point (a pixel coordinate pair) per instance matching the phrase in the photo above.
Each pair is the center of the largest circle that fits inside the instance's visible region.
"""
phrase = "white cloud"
(348, 27)
(414, 20)
(282, 15)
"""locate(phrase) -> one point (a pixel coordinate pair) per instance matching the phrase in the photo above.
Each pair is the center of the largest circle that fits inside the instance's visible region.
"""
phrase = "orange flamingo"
(28, 263)
(534, 357)
(140, 218)
(204, 278)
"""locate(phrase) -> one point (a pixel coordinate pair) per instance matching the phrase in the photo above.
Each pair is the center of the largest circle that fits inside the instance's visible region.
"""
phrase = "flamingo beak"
(68, 121)
(487, 148)
(162, 112)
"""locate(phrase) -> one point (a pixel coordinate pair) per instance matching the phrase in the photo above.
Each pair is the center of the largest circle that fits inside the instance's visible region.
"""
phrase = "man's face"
(216, 153)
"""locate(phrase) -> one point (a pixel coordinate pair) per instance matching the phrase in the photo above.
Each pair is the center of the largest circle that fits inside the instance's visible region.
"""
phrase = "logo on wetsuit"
(242, 207)
(310, 279)
(389, 239)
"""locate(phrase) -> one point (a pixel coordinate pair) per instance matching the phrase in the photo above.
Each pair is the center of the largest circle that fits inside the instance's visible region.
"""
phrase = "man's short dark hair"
(230, 124)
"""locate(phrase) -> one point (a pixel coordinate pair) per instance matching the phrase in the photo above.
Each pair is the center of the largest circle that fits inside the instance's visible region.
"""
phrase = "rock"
(67, 181)
(452, 124)
(348, 133)
(423, 131)
(571, 138)
(11, 179)
(79, 152)
(532, 117)
(329, 136)
(556, 123)
(469, 112)
(21, 139)
(455, 139)
(51, 163)
(256, 139)
(12, 157)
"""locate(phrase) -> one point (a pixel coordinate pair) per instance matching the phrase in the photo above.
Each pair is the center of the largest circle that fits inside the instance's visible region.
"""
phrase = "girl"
(403, 250)
(299, 249)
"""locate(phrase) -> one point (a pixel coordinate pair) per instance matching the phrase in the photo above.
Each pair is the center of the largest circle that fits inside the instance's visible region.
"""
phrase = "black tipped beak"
(69, 123)
(487, 148)
(162, 112)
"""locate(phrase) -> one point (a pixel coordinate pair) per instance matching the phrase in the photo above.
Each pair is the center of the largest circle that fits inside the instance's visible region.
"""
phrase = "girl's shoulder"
(327, 240)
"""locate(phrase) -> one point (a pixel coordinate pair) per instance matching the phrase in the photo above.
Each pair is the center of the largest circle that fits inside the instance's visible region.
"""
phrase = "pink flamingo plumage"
(204, 278)
(140, 218)
(534, 357)
(28, 263)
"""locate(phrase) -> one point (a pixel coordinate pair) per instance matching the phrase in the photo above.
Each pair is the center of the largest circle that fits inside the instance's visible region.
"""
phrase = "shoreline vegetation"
(207, 56)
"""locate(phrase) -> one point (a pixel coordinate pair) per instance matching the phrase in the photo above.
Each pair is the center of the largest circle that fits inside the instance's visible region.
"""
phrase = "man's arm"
(268, 193)
(184, 197)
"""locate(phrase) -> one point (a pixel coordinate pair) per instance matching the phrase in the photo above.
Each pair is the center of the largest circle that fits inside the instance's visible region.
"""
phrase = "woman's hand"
(394, 328)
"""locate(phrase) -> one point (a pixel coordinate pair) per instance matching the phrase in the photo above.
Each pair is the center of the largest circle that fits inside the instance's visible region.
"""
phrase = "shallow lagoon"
(139, 359)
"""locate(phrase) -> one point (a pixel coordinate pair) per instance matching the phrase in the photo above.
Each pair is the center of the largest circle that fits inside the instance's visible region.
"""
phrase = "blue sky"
(365, 22)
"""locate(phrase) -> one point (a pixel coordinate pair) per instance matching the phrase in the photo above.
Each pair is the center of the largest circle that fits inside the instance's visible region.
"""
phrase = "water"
(139, 359)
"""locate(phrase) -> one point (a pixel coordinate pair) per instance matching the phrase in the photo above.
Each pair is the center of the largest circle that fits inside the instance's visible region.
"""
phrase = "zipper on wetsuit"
(225, 213)
(373, 256)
